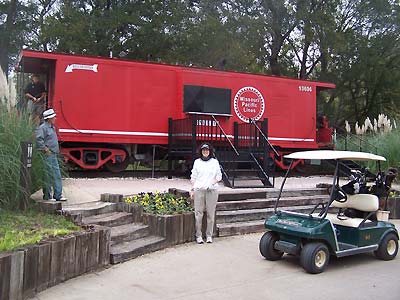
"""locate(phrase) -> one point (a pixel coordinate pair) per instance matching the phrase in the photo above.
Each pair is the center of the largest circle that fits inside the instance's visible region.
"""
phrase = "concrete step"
(245, 215)
(128, 232)
(228, 229)
(270, 202)
(127, 250)
(109, 219)
(265, 193)
(91, 209)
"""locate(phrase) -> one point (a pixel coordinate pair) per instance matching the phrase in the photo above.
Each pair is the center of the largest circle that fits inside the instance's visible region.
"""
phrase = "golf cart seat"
(362, 202)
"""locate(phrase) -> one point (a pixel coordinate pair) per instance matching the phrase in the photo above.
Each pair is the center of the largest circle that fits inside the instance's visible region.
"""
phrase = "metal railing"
(186, 135)
(355, 142)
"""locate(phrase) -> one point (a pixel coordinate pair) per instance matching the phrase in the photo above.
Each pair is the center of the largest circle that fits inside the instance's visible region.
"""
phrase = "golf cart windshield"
(329, 155)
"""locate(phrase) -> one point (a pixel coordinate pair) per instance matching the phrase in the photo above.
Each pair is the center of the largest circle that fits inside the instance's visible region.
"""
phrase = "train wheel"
(117, 166)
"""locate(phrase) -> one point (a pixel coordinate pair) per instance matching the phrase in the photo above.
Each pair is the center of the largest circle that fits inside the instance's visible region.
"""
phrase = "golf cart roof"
(334, 154)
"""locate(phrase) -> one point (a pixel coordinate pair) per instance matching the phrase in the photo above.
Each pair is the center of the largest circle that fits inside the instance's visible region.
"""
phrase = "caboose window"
(203, 99)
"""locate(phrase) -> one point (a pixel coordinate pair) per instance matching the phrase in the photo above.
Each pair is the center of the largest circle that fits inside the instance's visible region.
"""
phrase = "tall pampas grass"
(380, 136)
(15, 127)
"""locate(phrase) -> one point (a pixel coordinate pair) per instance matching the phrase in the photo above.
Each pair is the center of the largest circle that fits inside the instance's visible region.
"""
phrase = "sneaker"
(62, 199)
(209, 239)
(199, 240)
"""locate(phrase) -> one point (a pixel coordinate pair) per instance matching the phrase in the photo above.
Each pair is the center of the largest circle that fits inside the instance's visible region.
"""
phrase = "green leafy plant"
(161, 203)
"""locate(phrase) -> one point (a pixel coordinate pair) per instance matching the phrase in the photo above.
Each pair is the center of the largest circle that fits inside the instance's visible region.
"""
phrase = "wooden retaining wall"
(30, 270)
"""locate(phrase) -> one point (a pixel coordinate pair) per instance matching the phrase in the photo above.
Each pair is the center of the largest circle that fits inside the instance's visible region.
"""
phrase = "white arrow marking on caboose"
(72, 67)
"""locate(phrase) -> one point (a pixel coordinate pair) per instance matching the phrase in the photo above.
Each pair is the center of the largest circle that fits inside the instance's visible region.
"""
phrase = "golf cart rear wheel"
(388, 247)
(314, 257)
(267, 243)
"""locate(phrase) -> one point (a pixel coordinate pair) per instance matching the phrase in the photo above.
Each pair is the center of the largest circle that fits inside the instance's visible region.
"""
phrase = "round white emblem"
(249, 104)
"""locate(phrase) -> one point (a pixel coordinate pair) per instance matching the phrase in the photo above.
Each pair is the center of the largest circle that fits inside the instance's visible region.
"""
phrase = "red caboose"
(112, 109)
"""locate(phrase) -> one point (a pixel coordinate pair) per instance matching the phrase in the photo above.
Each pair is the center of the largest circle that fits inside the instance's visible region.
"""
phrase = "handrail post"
(236, 135)
(264, 144)
(194, 136)
(170, 148)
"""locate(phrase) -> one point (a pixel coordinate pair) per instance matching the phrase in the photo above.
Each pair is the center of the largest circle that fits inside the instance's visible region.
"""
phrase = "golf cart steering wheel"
(340, 194)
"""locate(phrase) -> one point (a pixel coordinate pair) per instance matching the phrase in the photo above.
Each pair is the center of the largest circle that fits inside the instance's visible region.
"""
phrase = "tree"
(365, 64)
(19, 27)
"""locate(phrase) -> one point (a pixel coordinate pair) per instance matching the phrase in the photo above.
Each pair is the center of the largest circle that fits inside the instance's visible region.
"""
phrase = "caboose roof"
(31, 61)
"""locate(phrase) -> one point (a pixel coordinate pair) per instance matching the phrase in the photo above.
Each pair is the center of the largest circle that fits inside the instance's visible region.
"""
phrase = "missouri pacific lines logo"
(249, 104)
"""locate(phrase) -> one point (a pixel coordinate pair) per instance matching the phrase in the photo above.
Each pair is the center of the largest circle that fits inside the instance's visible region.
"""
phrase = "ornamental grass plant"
(15, 127)
(161, 203)
(385, 144)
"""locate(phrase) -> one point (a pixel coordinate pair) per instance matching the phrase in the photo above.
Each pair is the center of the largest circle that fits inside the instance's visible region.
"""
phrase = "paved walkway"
(232, 268)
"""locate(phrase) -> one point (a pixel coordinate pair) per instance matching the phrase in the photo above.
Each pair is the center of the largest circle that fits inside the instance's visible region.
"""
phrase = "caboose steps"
(228, 229)
(266, 203)
(245, 212)
(128, 239)
(238, 194)
(128, 250)
(91, 208)
(109, 219)
(241, 215)
(128, 232)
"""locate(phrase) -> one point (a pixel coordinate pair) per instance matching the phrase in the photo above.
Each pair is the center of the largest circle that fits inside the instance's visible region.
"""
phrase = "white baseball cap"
(48, 114)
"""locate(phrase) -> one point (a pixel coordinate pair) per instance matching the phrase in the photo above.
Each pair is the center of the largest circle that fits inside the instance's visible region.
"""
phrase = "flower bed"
(161, 203)
(169, 215)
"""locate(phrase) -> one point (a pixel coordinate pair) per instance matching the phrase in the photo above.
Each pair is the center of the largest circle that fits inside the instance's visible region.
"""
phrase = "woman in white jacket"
(206, 174)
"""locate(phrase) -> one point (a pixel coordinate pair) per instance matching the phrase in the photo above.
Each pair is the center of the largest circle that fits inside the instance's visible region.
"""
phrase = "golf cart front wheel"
(267, 243)
(388, 247)
(314, 257)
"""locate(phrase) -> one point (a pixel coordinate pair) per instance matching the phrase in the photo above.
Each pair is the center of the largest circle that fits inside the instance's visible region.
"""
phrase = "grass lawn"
(18, 229)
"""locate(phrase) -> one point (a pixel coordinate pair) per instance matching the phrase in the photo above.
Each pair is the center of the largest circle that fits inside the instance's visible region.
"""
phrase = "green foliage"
(28, 228)
(14, 129)
(385, 144)
(352, 43)
(161, 203)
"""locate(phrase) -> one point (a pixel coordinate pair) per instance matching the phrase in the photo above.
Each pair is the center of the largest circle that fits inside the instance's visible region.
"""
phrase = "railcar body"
(107, 107)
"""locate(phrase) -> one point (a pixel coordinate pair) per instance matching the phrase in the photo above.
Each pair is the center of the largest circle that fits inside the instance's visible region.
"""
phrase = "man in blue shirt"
(47, 142)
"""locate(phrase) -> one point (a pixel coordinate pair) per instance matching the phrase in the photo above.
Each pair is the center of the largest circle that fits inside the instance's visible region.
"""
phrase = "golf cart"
(327, 229)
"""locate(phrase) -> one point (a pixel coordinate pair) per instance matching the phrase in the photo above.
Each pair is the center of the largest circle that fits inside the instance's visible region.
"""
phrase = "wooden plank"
(161, 225)
(43, 266)
(56, 261)
(69, 256)
(172, 228)
(188, 227)
(81, 252)
(93, 250)
(181, 238)
(16, 275)
(30, 271)
(104, 245)
(5, 269)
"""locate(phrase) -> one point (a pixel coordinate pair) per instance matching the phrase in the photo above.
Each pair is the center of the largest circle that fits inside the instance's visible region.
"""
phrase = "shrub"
(161, 203)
